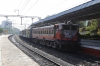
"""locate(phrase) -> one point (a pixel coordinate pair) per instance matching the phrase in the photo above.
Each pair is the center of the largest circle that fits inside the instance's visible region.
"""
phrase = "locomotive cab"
(68, 36)
(69, 31)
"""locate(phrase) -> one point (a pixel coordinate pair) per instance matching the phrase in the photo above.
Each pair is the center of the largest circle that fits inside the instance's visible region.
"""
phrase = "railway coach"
(26, 33)
(60, 36)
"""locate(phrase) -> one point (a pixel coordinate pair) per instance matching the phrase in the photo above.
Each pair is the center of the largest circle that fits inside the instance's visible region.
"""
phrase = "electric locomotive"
(60, 36)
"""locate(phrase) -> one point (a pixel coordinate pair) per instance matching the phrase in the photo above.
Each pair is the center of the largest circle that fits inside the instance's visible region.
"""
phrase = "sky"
(40, 8)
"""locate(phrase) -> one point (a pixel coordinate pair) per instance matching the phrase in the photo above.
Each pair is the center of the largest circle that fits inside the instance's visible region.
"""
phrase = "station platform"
(10, 55)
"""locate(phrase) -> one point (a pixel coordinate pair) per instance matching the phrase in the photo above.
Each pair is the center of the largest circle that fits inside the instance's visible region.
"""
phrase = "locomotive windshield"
(70, 27)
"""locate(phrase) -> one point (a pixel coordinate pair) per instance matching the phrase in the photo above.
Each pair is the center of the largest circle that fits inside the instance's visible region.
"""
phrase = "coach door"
(55, 30)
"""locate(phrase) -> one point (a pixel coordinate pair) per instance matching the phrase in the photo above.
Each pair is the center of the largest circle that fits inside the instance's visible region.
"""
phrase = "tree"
(93, 26)
(81, 24)
(1, 30)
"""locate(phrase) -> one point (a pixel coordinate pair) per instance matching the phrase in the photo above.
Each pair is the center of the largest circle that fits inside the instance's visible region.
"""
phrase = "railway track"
(58, 61)
(51, 59)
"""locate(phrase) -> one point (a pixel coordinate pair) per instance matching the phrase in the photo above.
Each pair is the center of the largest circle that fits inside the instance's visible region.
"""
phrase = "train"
(60, 36)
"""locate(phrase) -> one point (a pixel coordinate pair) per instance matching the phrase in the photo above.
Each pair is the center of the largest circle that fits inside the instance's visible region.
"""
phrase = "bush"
(88, 36)
(95, 36)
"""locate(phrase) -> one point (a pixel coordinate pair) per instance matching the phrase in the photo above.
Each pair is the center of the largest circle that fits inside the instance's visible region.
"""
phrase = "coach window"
(49, 31)
(45, 32)
(52, 31)
(34, 31)
(38, 32)
(41, 31)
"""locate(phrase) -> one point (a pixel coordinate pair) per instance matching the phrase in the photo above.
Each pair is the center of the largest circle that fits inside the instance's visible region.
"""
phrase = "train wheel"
(32, 40)
(40, 42)
(48, 43)
(43, 42)
(54, 45)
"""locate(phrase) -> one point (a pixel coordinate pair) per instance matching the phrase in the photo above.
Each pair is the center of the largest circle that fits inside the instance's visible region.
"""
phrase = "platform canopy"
(85, 11)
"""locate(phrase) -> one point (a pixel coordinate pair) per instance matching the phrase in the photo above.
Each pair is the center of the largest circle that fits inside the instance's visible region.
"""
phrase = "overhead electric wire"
(61, 3)
(55, 6)
(31, 6)
(20, 4)
(25, 4)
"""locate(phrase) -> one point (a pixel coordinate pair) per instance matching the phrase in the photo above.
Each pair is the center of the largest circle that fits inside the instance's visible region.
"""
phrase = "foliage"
(1, 30)
(82, 29)
(81, 24)
(98, 32)
(88, 36)
(93, 26)
(92, 30)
